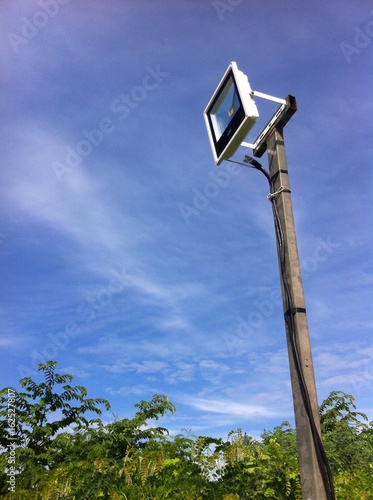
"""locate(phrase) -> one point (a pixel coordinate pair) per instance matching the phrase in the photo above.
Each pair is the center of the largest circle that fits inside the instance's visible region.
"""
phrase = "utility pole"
(298, 342)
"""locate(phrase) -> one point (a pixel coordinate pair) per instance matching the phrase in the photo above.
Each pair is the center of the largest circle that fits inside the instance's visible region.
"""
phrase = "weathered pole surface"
(313, 487)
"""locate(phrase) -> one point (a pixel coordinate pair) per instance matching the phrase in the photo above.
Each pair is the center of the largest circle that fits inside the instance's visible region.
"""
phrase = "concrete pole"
(313, 487)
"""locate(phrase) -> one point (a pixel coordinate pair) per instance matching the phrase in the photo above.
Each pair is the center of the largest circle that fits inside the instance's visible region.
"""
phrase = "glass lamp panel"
(225, 108)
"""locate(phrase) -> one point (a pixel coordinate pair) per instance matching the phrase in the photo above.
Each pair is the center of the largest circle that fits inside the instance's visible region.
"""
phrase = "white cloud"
(140, 389)
(231, 408)
(346, 367)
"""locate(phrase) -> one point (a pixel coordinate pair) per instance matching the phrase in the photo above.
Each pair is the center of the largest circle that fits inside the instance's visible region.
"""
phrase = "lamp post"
(315, 481)
(226, 135)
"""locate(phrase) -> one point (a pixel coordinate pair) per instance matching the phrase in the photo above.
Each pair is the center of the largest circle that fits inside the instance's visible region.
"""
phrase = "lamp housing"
(230, 114)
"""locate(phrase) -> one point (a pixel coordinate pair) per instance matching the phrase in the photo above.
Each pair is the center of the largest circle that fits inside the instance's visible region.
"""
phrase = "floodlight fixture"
(230, 114)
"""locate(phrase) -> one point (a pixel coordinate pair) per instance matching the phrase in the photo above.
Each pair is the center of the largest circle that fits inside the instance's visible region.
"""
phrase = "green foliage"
(347, 435)
(63, 455)
(124, 434)
(38, 406)
(354, 485)
(42, 411)
(259, 469)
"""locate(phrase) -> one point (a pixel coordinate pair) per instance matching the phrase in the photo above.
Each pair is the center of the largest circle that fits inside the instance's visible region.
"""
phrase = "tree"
(54, 439)
(135, 433)
(257, 470)
(348, 441)
(347, 434)
(63, 454)
(42, 411)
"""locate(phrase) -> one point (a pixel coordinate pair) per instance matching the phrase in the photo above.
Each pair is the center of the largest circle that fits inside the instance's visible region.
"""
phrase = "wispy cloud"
(146, 367)
(231, 408)
(346, 367)
(140, 389)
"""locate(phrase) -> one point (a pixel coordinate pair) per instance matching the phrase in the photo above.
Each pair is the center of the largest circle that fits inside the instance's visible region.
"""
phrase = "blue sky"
(128, 258)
